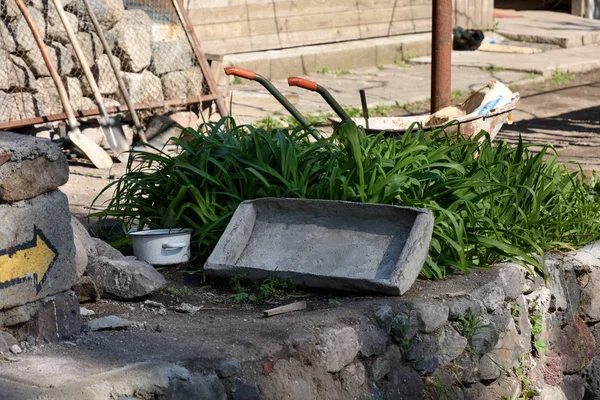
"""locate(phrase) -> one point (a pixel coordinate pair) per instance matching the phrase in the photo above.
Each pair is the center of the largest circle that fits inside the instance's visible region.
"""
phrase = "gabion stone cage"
(161, 64)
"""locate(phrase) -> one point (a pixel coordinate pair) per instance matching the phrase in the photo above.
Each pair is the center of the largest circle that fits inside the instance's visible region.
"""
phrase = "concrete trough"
(325, 244)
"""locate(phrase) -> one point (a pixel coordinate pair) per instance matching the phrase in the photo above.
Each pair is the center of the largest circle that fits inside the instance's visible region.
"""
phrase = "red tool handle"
(241, 72)
(303, 83)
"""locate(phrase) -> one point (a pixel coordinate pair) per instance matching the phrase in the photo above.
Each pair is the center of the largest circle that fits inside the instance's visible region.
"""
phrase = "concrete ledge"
(280, 64)
(573, 60)
(551, 27)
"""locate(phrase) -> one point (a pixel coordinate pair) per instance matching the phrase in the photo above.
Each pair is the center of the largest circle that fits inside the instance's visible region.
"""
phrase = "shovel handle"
(314, 87)
(244, 73)
(241, 72)
(303, 83)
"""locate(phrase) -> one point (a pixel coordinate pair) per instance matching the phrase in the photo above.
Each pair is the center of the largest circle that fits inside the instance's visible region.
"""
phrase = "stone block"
(18, 315)
(337, 348)
(387, 362)
(56, 318)
(144, 88)
(55, 30)
(384, 316)
(15, 74)
(61, 58)
(180, 85)
(126, 278)
(134, 40)
(108, 12)
(467, 368)
(243, 390)
(507, 387)
(354, 381)
(90, 45)
(6, 341)
(47, 99)
(21, 32)
(6, 38)
(30, 166)
(488, 369)
(171, 56)
(432, 351)
(552, 393)
(22, 106)
(298, 381)
(175, 85)
(575, 345)
(484, 339)
(552, 368)
(372, 339)
(403, 384)
(228, 368)
(86, 290)
(363, 247)
(36, 248)
(509, 350)
(111, 322)
(573, 386)
(430, 316)
(478, 392)
(590, 295)
(105, 76)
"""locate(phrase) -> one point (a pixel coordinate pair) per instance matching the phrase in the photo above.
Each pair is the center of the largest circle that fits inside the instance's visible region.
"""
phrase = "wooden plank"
(302, 23)
(301, 305)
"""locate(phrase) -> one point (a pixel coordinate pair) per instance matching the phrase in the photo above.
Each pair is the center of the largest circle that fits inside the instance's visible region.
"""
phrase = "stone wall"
(37, 252)
(501, 333)
(156, 67)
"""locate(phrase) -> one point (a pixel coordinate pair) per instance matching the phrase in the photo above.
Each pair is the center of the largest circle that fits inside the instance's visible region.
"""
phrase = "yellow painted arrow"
(30, 260)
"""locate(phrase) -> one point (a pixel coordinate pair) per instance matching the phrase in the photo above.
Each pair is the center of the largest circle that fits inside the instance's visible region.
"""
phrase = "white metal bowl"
(162, 246)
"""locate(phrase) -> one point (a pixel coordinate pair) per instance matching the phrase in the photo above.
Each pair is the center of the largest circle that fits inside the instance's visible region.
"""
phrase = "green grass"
(491, 201)
(491, 68)
(269, 291)
(237, 81)
(336, 72)
(456, 95)
(561, 77)
(401, 64)
(380, 67)
(495, 25)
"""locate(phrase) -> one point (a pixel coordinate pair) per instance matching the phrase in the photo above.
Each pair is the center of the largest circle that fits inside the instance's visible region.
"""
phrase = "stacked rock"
(37, 251)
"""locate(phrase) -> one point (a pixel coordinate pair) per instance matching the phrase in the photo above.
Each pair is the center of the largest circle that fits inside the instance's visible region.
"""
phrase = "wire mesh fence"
(155, 58)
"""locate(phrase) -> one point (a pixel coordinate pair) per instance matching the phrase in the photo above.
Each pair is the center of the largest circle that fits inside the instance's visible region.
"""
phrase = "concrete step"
(280, 64)
(573, 60)
(550, 27)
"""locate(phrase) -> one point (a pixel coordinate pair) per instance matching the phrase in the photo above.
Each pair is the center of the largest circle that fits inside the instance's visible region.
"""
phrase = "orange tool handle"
(303, 83)
(241, 72)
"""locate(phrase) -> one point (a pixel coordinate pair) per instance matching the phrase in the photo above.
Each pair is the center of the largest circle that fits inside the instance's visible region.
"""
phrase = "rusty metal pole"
(441, 55)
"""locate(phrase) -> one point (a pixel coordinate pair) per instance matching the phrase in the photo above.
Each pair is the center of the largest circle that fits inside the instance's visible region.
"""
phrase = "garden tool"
(113, 131)
(117, 71)
(95, 153)
(313, 86)
(365, 109)
(244, 73)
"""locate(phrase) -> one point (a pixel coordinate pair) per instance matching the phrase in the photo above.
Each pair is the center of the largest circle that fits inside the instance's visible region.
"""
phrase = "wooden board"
(233, 26)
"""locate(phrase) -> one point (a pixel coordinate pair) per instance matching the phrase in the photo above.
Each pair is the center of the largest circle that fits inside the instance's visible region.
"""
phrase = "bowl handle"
(176, 245)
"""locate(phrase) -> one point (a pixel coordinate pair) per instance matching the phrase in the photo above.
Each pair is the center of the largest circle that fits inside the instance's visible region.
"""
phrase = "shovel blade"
(115, 137)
